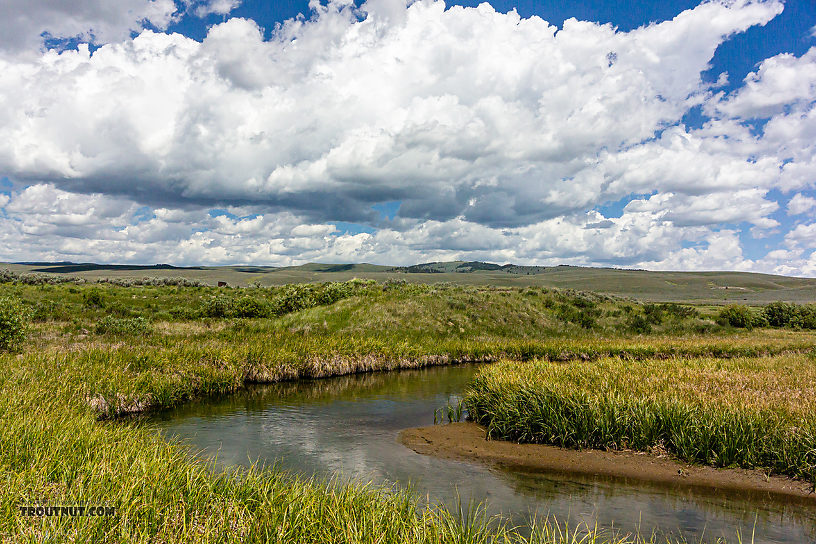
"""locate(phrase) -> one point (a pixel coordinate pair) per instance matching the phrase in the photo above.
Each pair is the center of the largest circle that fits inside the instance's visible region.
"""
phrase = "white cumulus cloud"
(453, 112)
(501, 137)
(800, 204)
(23, 23)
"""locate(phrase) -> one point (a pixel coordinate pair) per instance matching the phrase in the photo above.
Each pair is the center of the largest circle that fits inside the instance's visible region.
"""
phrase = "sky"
(643, 134)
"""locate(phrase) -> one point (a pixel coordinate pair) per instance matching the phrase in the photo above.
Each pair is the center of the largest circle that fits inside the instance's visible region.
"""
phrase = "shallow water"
(347, 427)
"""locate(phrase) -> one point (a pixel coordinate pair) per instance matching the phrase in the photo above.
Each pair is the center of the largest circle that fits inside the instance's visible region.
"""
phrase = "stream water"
(347, 427)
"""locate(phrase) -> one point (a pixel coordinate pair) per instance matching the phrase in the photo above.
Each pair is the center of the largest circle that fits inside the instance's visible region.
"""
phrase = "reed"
(755, 412)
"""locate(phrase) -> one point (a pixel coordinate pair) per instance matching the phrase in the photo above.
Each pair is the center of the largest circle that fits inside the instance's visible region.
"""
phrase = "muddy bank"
(466, 441)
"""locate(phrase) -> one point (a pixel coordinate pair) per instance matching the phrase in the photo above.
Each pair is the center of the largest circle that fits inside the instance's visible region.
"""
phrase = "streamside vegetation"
(749, 412)
(76, 357)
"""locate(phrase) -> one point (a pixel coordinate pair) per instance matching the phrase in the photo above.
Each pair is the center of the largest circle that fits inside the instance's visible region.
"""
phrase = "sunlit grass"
(70, 372)
(756, 412)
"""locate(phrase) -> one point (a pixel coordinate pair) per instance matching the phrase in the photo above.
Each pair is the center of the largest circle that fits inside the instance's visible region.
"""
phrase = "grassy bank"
(750, 412)
(127, 349)
(102, 350)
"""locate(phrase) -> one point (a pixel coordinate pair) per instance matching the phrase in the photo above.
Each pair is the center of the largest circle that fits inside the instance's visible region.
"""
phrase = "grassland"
(96, 351)
(697, 287)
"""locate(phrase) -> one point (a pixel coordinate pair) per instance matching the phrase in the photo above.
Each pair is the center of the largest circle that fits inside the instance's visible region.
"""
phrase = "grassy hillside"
(696, 287)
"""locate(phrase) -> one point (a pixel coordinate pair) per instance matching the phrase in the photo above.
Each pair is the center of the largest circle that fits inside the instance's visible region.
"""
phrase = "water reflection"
(347, 427)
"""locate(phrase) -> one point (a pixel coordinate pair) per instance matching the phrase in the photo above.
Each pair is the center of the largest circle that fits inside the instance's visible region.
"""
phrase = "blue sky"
(227, 131)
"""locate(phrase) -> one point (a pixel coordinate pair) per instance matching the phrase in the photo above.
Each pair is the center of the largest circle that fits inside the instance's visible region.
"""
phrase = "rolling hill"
(698, 287)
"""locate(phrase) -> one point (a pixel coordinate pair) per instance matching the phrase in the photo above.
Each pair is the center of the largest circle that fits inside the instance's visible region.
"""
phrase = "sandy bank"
(466, 441)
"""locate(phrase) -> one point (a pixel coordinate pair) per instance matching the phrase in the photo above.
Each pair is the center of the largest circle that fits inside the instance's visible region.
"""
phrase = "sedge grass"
(757, 412)
(54, 453)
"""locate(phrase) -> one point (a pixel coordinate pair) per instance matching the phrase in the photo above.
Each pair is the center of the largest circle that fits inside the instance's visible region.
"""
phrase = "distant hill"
(479, 266)
(698, 287)
(322, 267)
(446, 267)
(68, 267)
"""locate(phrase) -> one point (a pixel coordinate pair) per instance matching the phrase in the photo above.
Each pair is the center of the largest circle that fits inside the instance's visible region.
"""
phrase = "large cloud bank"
(501, 138)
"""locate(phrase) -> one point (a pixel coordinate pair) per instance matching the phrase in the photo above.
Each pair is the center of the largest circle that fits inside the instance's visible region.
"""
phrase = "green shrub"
(678, 310)
(587, 317)
(218, 306)
(584, 316)
(736, 315)
(183, 312)
(45, 310)
(583, 302)
(638, 324)
(13, 318)
(654, 313)
(805, 317)
(394, 284)
(93, 298)
(759, 320)
(329, 293)
(293, 298)
(785, 314)
(250, 307)
(779, 314)
(122, 325)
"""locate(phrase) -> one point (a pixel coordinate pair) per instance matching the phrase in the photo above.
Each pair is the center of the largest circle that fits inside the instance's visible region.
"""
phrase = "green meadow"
(690, 287)
(80, 355)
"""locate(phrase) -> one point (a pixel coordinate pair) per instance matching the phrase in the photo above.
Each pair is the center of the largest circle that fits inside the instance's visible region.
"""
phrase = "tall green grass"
(54, 452)
(743, 412)
(119, 349)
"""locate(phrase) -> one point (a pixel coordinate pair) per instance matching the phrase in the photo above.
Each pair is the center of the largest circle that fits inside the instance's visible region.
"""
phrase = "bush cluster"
(130, 326)
(775, 314)
(736, 315)
(658, 313)
(7, 276)
(153, 282)
(93, 298)
(638, 324)
(250, 307)
(217, 306)
(287, 299)
(13, 318)
(584, 316)
(785, 314)
(679, 311)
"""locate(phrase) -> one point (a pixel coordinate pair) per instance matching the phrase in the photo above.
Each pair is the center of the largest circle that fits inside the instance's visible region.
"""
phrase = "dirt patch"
(466, 441)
